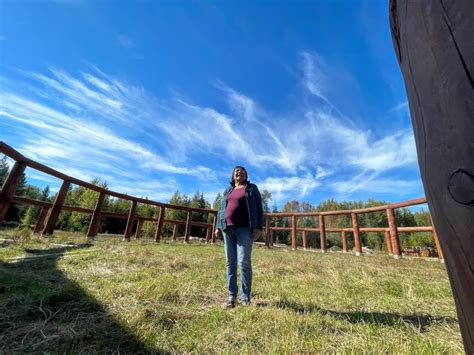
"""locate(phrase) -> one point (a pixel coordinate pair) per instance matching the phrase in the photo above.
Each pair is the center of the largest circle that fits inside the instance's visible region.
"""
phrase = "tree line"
(26, 216)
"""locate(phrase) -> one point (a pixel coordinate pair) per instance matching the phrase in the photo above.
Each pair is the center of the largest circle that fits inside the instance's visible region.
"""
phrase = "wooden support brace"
(388, 243)
(40, 222)
(293, 233)
(138, 232)
(131, 218)
(208, 234)
(56, 209)
(322, 233)
(159, 225)
(9, 187)
(305, 240)
(214, 223)
(344, 241)
(188, 227)
(96, 217)
(175, 231)
(355, 228)
(392, 223)
(267, 231)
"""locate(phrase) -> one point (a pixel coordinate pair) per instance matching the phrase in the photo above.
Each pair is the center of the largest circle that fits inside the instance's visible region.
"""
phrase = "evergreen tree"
(4, 168)
(266, 198)
(217, 202)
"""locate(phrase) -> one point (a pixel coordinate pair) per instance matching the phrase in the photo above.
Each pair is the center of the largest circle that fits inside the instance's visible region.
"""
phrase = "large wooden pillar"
(433, 41)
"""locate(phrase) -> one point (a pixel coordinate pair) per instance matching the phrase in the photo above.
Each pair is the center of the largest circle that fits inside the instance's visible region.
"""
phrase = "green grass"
(114, 296)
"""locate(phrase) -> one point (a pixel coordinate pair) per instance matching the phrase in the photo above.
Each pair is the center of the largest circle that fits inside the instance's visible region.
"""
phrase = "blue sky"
(159, 96)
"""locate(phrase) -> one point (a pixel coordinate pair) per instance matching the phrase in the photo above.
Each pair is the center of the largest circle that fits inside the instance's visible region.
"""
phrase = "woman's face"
(240, 175)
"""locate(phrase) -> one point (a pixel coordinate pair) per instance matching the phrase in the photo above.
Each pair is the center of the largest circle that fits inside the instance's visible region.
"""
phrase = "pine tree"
(3, 169)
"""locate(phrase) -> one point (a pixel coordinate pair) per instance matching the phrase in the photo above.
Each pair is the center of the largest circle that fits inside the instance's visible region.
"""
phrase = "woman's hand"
(218, 233)
(256, 234)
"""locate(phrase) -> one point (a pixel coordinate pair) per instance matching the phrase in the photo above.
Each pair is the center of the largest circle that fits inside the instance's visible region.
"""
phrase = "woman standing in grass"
(240, 221)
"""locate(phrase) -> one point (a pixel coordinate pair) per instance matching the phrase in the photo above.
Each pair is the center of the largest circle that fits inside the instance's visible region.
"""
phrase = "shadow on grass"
(41, 310)
(388, 319)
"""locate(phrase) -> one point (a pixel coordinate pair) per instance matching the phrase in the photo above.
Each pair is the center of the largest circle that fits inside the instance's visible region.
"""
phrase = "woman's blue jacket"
(254, 204)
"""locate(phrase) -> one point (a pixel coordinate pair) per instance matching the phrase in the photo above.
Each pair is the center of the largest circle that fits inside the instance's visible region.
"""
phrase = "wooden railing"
(45, 226)
(391, 232)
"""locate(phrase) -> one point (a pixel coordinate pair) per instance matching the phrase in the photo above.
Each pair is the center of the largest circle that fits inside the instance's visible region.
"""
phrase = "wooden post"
(322, 233)
(95, 221)
(175, 231)
(159, 225)
(344, 241)
(293, 232)
(305, 240)
(392, 223)
(188, 227)
(433, 43)
(9, 187)
(208, 234)
(131, 218)
(56, 209)
(355, 228)
(138, 232)
(436, 240)
(267, 231)
(42, 217)
(214, 223)
(388, 243)
(271, 237)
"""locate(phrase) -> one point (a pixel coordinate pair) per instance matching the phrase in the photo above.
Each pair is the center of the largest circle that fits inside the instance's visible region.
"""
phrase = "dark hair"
(232, 182)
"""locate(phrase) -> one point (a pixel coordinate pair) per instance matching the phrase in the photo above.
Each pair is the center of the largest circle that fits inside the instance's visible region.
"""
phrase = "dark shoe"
(229, 304)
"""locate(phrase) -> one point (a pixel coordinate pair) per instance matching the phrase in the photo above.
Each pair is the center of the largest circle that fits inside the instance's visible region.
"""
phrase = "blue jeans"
(238, 249)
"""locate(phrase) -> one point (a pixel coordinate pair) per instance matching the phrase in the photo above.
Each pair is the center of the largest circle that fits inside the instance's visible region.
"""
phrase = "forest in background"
(23, 216)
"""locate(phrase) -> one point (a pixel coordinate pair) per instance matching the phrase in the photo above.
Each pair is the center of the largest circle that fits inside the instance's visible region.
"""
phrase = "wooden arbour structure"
(45, 225)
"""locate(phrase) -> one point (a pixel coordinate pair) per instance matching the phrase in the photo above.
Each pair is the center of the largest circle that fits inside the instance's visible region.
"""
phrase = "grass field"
(141, 297)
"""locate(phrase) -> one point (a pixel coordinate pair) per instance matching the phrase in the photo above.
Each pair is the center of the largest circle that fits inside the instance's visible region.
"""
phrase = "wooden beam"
(41, 218)
(344, 241)
(293, 232)
(322, 233)
(96, 217)
(392, 224)
(159, 225)
(138, 232)
(131, 218)
(355, 228)
(305, 240)
(10, 185)
(388, 242)
(188, 227)
(56, 209)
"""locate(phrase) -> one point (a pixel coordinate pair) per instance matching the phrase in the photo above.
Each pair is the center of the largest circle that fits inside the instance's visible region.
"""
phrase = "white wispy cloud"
(293, 187)
(94, 125)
